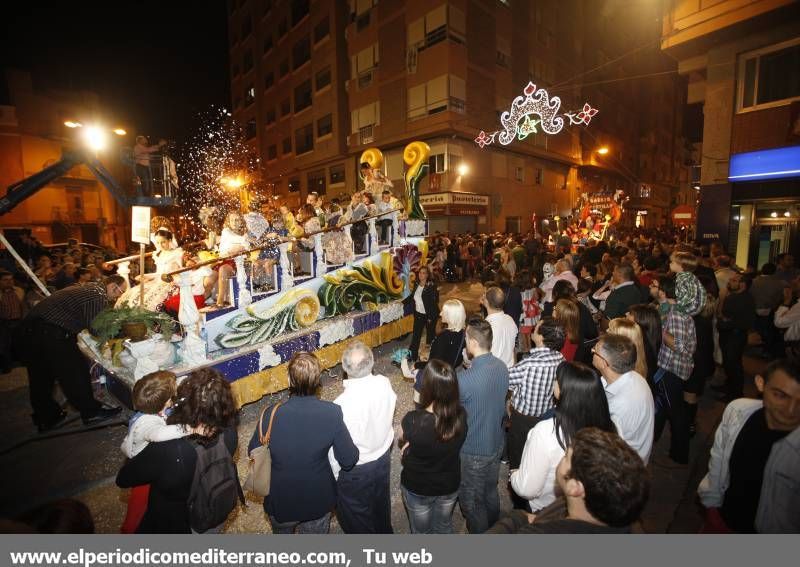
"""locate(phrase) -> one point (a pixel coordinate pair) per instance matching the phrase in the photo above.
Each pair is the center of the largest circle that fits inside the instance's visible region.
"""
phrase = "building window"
(324, 126)
(247, 63)
(283, 28)
(247, 26)
(269, 80)
(363, 120)
(268, 43)
(287, 145)
(644, 191)
(519, 174)
(322, 29)
(322, 79)
(283, 68)
(538, 174)
(364, 64)
(270, 116)
(301, 53)
(299, 11)
(362, 21)
(316, 181)
(302, 96)
(286, 107)
(272, 152)
(769, 76)
(249, 95)
(250, 129)
(294, 185)
(445, 92)
(235, 70)
(337, 174)
(436, 163)
(304, 139)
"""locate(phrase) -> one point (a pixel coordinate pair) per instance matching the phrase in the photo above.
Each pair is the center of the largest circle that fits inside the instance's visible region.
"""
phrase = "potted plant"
(131, 321)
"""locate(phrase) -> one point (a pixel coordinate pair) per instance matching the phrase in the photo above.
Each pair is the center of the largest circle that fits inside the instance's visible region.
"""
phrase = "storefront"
(456, 212)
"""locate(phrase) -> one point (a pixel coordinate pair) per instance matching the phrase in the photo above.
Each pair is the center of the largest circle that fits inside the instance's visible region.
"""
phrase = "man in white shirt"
(787, 315)
(368, 402)
(630, 400)
(504, 329)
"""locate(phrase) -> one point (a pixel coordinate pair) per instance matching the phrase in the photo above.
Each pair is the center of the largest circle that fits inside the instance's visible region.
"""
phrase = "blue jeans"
(480, 501)
(429, 514)
(319, 526)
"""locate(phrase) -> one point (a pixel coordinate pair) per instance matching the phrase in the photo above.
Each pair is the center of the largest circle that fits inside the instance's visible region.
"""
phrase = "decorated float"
(252, 340)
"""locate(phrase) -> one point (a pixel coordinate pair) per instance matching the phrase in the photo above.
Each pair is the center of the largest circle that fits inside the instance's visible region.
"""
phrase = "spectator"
(780, 490)
(767, 292)
(624, 292)
(786, 269)
(368, 402)
(629, 399)
(482, 391)
(512, 290)
(507, 262)
(723, 273)
(704, 365)
(749, 429)
(431, 440)
(531, 382)
(206, 410)
(649, 320)
(562, 272)
(303, 487)
(504, 329)
(605, 483)
(737, 317)
(580, 402)
(787, 315)
(141, 157)
(675, 363)
(531, 311)
(566, 311)
(12, 309)
(690, 293)
(425, 298)
(627, 328)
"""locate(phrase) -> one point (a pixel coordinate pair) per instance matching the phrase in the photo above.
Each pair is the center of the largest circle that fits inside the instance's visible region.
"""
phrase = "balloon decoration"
(372, 156)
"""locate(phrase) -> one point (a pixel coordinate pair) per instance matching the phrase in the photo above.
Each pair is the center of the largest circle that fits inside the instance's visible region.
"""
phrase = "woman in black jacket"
(206, 409)
(425, 298)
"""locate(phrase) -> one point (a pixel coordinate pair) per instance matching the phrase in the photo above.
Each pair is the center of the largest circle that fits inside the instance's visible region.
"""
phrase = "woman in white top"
(580, 402)
(168, 257)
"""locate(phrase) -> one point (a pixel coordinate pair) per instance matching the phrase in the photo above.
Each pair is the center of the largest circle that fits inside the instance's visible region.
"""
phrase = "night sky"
(154, 64)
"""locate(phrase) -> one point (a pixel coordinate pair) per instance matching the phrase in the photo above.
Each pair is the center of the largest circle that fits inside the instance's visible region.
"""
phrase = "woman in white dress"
(167, 257)
(580, 402)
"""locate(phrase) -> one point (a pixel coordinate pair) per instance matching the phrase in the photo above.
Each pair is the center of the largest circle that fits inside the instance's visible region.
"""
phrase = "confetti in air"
(216, 149)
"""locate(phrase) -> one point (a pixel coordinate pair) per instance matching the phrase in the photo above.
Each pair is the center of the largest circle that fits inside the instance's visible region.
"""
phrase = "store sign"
(433, 199)
(779, 163)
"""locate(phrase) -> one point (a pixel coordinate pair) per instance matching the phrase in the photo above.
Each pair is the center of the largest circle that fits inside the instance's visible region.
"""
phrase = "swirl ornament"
(372, 156)
(416, 158)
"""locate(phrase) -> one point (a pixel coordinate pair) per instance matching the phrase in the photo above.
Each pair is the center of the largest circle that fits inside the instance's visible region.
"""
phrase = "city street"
(74, 463)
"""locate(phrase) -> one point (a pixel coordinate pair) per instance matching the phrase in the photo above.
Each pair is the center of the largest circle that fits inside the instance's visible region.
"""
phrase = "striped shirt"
(72, 308)
(532, 381)
(482, 389)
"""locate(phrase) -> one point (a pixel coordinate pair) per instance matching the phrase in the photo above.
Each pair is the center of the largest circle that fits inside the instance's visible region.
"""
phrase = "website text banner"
(355, 551)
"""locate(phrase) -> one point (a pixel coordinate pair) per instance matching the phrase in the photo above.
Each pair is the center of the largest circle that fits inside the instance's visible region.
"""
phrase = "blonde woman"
(627, 328)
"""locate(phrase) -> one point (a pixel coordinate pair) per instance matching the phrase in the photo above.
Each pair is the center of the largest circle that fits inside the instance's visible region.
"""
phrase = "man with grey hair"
(630, 400)
(562, 271)
(368, 402)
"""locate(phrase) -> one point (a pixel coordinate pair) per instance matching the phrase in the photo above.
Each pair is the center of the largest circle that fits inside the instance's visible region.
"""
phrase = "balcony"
(366, 134)
(365, 78)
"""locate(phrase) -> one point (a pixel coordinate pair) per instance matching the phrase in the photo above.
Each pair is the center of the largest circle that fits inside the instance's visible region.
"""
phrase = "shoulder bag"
(259, 473)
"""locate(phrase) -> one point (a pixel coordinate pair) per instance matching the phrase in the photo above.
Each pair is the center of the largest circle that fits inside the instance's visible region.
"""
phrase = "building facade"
(317, 83)
(32, 137)
(742, 61)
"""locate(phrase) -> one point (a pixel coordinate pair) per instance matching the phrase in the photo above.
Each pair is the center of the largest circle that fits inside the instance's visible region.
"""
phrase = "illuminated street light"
(71, 124)
(787, 214)
(119, 131)
(463, 169)
(774, 214)
(96, 138)
(602, 151)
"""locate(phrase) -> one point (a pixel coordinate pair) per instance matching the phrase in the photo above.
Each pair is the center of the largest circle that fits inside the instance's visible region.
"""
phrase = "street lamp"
(462, 169)
(602, 150)
(94, 136)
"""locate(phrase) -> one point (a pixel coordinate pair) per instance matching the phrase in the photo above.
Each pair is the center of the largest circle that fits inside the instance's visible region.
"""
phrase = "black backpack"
(215, 487)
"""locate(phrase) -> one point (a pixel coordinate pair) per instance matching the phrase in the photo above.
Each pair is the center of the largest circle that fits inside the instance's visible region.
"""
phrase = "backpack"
(215, 487)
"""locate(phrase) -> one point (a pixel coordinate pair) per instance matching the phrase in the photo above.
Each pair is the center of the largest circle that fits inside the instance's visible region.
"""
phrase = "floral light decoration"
(535, 110)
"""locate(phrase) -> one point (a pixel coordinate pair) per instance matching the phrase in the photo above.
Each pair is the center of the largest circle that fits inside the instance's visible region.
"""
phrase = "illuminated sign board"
(780, 163)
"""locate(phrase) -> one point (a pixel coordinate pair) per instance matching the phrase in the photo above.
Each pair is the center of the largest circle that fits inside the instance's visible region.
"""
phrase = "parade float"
(252, 340)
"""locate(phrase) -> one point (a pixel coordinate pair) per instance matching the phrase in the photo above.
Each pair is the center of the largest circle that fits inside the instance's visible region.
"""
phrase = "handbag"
(259, 473)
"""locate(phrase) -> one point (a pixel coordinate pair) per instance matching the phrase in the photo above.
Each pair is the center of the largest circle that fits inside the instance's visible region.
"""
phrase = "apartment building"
(317, 83)
(742, 62)
(32, 137)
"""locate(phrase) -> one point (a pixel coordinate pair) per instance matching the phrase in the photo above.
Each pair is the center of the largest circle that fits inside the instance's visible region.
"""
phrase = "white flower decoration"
(267, 357)
(337, 331)
(415, 227)
(391, 312)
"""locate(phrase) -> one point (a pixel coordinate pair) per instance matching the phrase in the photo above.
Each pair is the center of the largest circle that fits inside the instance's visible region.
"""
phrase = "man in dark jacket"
(738, 317)
(625, 293)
